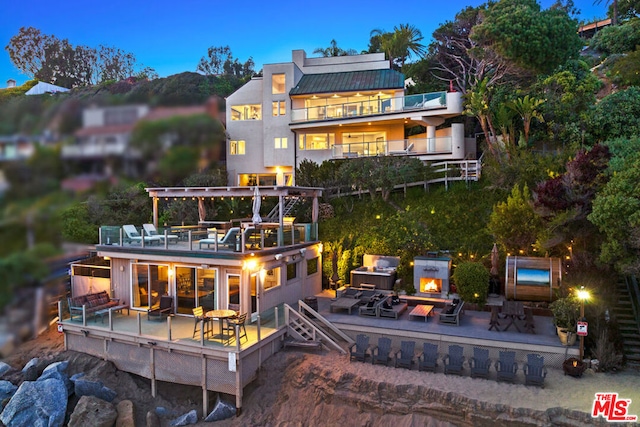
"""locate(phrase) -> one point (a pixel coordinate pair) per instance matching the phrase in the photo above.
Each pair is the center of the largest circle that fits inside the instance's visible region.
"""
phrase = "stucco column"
(431, 139)
(155, 212)
(457, 141)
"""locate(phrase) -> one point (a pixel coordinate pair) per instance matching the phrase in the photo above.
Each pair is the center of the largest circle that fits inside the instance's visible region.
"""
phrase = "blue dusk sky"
(172, 36)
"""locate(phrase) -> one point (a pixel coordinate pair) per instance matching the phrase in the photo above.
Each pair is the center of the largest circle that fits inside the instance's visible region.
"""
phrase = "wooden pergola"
(204, 192)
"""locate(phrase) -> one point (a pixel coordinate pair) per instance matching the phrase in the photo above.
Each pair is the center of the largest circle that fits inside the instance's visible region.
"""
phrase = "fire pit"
(573, 367)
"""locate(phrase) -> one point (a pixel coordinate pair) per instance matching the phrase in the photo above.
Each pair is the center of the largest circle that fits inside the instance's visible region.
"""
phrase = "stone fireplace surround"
(428, 268)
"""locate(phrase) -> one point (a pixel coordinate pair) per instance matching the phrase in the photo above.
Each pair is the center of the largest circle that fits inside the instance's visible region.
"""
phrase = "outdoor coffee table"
(422, 310)
(114, 309)
(221, 315)
(344, 304)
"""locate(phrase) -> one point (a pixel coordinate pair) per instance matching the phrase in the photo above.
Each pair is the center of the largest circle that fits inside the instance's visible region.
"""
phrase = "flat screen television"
(533, 277)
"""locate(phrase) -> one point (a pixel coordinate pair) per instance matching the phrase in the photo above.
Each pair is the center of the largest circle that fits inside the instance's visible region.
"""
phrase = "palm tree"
(400, 44)
(477, 105)
(334, 50)
(527, 109)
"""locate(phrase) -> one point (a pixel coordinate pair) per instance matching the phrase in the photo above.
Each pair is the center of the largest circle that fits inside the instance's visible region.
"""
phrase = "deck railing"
(422, 101)
(402, 147)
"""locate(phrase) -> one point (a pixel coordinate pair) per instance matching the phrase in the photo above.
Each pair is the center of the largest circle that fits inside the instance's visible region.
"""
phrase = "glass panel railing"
(110, 235)
(423, 101)
(414, 146)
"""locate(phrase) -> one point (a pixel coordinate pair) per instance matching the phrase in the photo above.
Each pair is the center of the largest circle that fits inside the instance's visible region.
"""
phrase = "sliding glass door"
(195, 287)
(148, 283)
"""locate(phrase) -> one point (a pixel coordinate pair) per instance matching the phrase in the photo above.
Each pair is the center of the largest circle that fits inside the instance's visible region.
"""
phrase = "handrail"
(327, 340)
(302, 305)
(634, 294)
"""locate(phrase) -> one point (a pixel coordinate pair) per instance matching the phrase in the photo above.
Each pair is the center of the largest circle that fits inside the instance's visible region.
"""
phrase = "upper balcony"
(435, 103)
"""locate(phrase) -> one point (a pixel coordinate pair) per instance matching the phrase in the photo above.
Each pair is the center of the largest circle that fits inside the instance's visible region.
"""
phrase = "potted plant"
(565, 316)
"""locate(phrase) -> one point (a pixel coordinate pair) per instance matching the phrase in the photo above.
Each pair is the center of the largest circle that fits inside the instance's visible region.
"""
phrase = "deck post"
(281, 211)
(121, 241)
(202, 332)
(155, 212)
(168, 328)
(258, 324)
(84, 314)
(314, 210)
(238, 385)
(142, 240)
(237, 331)
(190, 245)
(166, 240)
(59, 310)
(139, 325)
(152, 366)
(205, 392)
(277, 322)
(110, 320)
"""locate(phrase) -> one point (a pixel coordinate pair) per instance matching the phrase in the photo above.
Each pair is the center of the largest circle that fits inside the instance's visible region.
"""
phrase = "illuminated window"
(316, 141)
(236, 148)
(246, 112)
(277, 84)
(279, 108)
(271, 278)
(280, 143)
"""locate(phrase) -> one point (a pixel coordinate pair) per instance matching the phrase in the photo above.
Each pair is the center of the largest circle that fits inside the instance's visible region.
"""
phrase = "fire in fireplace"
(430, 284)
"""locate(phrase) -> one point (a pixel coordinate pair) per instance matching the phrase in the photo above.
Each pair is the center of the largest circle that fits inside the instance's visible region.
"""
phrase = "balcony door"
(195, 287)
(148, 283)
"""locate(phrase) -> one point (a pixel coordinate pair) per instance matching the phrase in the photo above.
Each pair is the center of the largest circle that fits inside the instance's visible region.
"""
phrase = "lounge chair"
(454, 361)
(163, 310)
(506, 366)
(133, 236)
(404, 356)
(451, 313)
(382, 352)
(228, 240)
(480, 363)
(428, 359)
(150, 231)
(534, 370)
(360, 349)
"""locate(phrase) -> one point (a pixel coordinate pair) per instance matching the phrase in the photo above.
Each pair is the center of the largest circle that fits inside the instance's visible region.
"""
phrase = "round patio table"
(221, 315)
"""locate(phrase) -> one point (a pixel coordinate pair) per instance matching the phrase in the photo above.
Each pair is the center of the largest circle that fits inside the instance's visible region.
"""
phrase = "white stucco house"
(334, 108)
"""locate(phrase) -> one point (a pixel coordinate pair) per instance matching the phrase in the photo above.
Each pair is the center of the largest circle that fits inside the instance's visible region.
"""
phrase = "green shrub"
(618, 39)
(472, 282)
(626, 70)
(565, 312)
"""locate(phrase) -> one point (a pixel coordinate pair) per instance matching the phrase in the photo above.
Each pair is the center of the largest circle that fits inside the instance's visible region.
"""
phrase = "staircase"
(307, 328)
(290, 203)
(626, 312)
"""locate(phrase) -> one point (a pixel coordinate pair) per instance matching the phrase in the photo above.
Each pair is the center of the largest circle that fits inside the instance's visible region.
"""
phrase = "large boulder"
(153, 420)
(125, 414)
(4, 368)
(58, 371)
(221, 410)
(91, 411)
(7, 389)
(37, 403)
(94, 388)
(190, 417)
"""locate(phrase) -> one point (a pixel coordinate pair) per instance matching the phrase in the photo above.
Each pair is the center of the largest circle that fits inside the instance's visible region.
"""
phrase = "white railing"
(402, 147)
(302, 328)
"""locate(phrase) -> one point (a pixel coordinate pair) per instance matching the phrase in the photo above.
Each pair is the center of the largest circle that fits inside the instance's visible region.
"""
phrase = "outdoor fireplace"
(430, 285)
(431, 276)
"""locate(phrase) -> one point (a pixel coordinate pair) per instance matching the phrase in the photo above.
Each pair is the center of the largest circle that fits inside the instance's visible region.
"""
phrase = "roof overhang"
(177, 192)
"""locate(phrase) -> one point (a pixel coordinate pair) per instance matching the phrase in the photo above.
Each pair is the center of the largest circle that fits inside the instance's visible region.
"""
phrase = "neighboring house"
(11, 83)
(43, 88)
(589, 30)
(15, 147)
(334, 108)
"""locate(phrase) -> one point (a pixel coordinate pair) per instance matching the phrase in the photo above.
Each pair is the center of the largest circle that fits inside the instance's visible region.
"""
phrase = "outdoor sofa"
(394, 312)
(451, 313)
(95, 303)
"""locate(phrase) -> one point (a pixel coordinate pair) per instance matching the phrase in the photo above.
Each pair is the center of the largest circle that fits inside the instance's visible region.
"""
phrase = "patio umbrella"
(257, 219)
(202, 211)
(495, 260)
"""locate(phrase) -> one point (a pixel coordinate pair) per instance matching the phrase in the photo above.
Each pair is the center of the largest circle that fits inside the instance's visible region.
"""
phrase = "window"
(271, 279)
(262, 180)
(236, 148)
(316, 141)
(292, 271)
(277, 84)
(280, 143)
(312, 266)
(246, 112)
(279, 108)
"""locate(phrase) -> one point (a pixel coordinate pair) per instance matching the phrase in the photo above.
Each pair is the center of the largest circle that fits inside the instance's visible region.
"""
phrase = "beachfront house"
(335, 108)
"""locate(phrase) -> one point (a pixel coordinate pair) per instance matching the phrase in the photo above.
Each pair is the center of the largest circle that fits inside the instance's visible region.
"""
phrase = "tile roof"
(351, 81)
(105, 130)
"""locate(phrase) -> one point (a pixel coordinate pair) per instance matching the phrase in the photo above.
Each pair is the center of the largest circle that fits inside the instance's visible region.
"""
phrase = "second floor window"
(279, 108)
(277, 84)
(280, 143)
(316, 141)
(246, 112)
(236, 148)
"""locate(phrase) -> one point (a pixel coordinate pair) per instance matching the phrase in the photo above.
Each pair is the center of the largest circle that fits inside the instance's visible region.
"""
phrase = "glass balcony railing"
(403, 147)
(197, 238)
(424, 101)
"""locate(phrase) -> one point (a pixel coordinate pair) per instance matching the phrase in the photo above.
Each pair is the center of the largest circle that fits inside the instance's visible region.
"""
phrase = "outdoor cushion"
(134, 234)
(79, 301)
(103, 298)
(93, 300)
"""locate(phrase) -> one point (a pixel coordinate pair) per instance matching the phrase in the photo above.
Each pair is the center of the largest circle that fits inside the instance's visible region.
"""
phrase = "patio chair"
(480, 363)
(360, 350)
(133, 236)
(231, 326)
(234, 307)
(454, 361)
(163, 310)
(534, 370)
(506, 366)
(382, 352)
(228, 240)
(404, 357)
(428, 359)
(198, 316)
(150, 231)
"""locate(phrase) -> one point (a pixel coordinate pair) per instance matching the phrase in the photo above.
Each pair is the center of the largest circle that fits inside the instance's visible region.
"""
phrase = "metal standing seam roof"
(351, 81)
